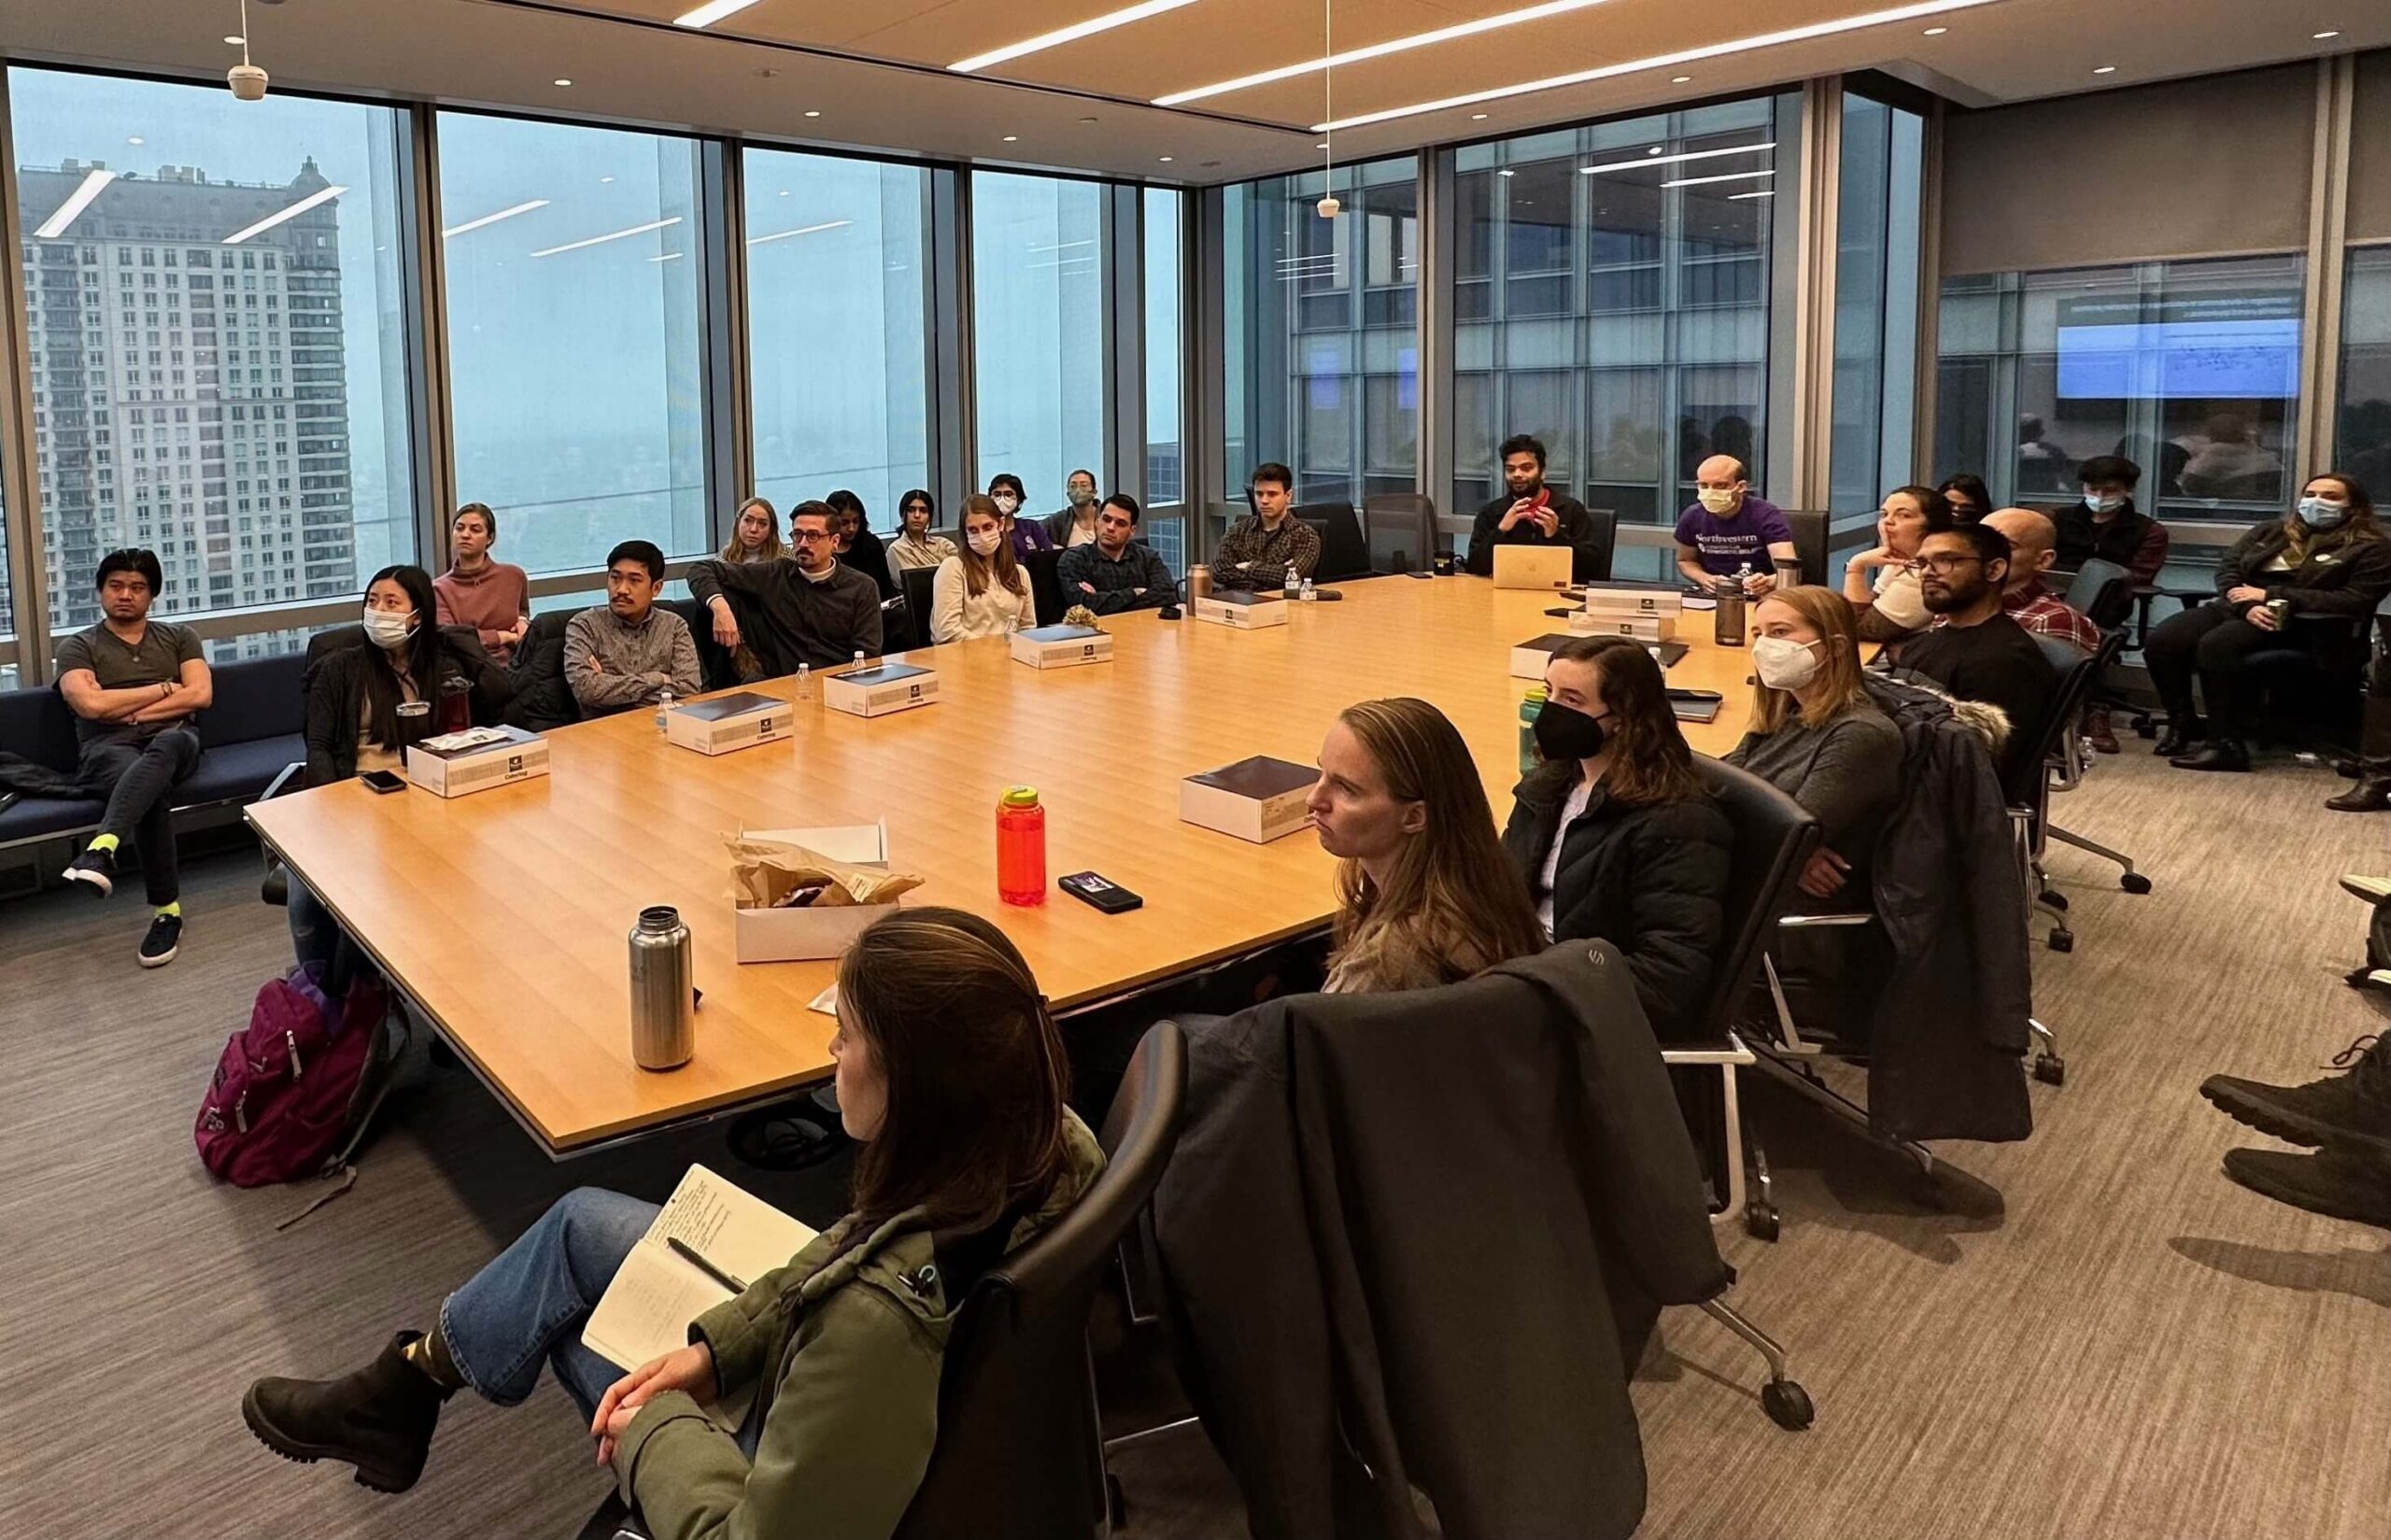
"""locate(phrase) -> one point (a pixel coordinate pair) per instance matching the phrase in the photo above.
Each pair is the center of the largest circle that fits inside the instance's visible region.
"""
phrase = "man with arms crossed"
(134, 685)
(812, 611)
(626, 652)
(1727, 529)
(1520, 518)
(1118, 572)
(1259, 549)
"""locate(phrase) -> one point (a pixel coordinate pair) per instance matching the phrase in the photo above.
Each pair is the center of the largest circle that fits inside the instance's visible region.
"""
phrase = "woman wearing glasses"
(1882, 584)
(915, 546)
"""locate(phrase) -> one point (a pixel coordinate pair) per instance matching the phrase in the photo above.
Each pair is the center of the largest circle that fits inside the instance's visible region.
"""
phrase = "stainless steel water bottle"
(664, 1024)
(1728, 630)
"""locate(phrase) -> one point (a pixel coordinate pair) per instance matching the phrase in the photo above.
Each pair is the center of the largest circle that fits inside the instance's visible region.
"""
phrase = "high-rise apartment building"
(189, 385)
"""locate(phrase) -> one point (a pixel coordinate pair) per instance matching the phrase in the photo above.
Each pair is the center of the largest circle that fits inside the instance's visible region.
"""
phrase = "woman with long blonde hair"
(981, 590)
(1425, 895)
(755, 534)
(1816, 735)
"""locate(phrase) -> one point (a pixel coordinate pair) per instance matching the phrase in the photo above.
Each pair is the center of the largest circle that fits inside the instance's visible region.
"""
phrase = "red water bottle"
(1020, 846)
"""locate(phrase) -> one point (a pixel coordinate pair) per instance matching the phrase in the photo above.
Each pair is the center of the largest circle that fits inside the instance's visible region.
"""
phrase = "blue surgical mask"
(2100, 504)
(2317, 514)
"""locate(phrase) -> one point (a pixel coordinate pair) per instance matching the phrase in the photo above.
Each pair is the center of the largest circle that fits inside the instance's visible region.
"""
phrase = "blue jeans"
(527, 1307)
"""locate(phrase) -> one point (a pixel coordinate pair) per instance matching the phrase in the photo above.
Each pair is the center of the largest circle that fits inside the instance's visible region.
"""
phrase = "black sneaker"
(378, 1419)
(165, 935)
(2352, 1108)
(2337, 1183)
(94, 868)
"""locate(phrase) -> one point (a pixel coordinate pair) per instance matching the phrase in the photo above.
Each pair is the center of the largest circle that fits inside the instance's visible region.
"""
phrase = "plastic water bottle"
(1530, 704)
(858, 659)
(805, 682)
(1311, 593)
(663, 712)
(1020, 846)
(1294, 588)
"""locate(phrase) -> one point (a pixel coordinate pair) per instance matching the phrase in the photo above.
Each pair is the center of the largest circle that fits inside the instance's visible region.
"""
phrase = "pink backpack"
(291, 1092)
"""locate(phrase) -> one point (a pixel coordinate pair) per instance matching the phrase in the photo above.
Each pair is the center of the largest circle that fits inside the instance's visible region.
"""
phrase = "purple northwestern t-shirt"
(1724, 545)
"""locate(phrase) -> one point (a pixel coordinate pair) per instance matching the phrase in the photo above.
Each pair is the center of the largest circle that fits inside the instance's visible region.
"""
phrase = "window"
(2190, 369)
(1873, 415)
(837, 271)
(1611, 299)
(1165, 455)
(2364, 445)
(1322, 345)
(315, 183)
(1038, 302)
(575, 363)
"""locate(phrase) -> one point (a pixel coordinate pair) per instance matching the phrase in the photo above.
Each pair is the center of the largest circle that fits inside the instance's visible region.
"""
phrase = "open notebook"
(647, 1310)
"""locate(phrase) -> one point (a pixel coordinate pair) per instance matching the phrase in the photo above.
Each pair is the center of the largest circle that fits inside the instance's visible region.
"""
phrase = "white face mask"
(387, 629)
(2101, 504)
(1719, 500)
(1783, 663)
(1005, 502)
(986, 541)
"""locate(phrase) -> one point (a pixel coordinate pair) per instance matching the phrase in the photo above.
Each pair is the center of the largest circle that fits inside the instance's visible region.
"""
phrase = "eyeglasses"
(1943, 566)
(802, 535)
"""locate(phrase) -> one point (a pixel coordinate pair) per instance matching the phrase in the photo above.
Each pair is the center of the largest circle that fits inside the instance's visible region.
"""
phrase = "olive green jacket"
(843, 1348)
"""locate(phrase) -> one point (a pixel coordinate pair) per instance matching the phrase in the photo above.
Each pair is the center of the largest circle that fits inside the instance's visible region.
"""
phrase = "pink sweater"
(491, 602)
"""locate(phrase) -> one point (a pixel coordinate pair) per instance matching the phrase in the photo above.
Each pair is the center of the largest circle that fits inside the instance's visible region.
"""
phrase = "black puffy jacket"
(335, 690)
(1646, 878)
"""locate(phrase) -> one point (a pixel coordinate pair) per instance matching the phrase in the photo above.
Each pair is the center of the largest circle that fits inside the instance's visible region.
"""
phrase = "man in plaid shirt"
(1116, 573)
(1259, 549)
(2034, 539)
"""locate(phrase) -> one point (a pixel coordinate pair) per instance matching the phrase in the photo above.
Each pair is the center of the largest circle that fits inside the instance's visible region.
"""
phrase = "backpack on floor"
(293, 1092)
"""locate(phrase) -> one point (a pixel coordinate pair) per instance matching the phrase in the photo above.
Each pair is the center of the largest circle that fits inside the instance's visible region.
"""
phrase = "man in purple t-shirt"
(1727, 529)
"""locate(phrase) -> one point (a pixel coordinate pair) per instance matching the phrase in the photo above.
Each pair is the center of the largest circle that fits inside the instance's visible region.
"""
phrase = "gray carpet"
(2110, 1339)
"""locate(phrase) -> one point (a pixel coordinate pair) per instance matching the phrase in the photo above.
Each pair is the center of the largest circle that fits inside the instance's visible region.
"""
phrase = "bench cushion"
(239, 772)
(257, 698)
(36, 816)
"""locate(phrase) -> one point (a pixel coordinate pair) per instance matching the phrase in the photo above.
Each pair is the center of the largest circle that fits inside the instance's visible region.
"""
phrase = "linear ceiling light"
(493, 219)
(1379, 50)
(1731, 177)
(322, 195)
(1672, 160)
(1734, 197)
(1060, 35)
(1663, 60)
(711, 12)
(802, 230)
(77, 201)
(616, 235)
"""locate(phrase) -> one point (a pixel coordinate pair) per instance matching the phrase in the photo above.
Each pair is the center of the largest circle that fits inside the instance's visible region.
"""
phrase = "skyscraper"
(189, 384)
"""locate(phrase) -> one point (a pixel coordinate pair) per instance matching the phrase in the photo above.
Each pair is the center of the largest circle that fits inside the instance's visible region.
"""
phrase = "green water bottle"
(1530, 704)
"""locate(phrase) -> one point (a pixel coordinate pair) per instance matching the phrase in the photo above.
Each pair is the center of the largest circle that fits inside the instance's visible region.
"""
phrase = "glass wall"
(1611, 297)
(1875, 412)
(213, 304)
(1165, 454)
(2363, 447)
(1037, 303)
(1321, 344)
(575, 359)
(837, 290)
(2190, 369)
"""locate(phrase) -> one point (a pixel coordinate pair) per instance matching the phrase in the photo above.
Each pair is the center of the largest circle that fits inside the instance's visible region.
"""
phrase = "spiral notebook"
(648, 1308)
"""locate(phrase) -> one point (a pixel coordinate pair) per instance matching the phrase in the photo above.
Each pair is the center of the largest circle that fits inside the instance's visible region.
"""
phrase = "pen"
(689, 1254)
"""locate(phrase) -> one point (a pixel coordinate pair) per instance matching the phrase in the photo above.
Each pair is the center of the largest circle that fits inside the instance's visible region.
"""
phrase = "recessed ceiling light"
(814, 112)
(322, 195)
(605, 181)
(1684, 56)
(1013, 138)
(136, 139)
(1066, 34)
(563, 81)
(610, 235)
(2320, 36)
(1936, 31)
(1166, 160)
(2106, 69)
(493, 219)
(1680, 79)
(1379, 50)
(1477, 117)
(711, 12)
(783, 192)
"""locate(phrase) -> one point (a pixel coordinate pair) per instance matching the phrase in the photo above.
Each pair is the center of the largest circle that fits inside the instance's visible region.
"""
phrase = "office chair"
(1811, 538)
(1401, 528)
(1045, 587)
(913, 585)
(2104, 595)
(1018, 1450)
(1344, 553)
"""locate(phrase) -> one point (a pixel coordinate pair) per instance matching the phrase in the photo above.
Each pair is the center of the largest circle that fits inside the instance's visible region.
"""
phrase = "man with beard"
(1975, 650)
(1529, 514)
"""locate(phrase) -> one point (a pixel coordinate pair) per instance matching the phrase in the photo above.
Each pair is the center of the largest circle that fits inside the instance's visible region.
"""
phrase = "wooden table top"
(505, 914)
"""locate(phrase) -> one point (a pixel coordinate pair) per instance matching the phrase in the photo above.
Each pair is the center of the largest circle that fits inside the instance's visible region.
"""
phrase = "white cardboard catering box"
(1664, 600)
(1245, 612)
(1643, 628)
(1258, 800)
(1530, 656)
(799, 935)
(728, 723)
(876, 691)
(477, 759)
(1062, 646)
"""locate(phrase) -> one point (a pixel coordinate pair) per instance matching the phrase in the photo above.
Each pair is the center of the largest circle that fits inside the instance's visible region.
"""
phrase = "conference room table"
(505, 916)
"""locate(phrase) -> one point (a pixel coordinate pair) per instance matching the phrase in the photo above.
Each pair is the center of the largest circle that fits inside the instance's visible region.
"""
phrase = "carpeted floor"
(2112, 1341)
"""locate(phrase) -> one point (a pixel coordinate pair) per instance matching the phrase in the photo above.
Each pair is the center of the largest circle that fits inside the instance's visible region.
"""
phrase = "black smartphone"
(1089, 888)
(384, 782)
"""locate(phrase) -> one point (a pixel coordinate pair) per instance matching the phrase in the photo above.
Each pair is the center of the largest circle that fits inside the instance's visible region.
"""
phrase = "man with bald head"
(1729, 531)
(2033, 540)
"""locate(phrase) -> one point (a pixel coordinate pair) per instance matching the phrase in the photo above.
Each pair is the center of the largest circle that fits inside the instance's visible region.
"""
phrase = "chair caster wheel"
(2050, 1070)
(2134, 882)
(1116, 1503)
(1788, 1404)
(2062, 940)
(1760, 1220)
(2056, 899)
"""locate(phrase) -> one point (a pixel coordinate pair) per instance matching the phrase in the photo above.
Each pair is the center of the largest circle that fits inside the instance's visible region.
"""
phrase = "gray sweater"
(633, 663)
(1846, 772)
(787, 618)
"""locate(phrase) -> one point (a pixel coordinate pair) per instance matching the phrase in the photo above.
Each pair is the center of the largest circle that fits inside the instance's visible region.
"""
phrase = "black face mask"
(1563, 733)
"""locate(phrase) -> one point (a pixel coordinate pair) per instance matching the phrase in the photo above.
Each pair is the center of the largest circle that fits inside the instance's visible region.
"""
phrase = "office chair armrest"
(1813, 921)
(1732, 1052)
(282, 779)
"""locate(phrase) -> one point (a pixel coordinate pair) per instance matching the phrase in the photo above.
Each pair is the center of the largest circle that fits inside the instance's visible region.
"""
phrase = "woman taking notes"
(1424, 894)
(756, 536)
(981, 590)
(951, 1074)
(1882, 584)
(1618, 838)
(1816, 735)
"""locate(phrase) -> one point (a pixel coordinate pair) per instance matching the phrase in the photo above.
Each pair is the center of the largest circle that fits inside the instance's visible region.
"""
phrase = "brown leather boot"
(2373, 794)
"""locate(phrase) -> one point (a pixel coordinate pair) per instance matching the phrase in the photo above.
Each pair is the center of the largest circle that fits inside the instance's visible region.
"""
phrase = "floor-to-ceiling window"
(1165, 490)
(1037, 305)
(213, 336)
(2363, 445)
(1611, 298)
(837, 278)
(1874, 411)
(1321, 351)
(575, 351)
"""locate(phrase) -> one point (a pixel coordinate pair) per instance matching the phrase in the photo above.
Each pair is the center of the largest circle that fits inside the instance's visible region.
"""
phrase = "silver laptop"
(1541, 567)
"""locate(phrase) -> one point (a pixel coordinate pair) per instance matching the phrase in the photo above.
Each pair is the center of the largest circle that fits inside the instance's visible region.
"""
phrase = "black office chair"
(914, 584)
(1344, 553)
(1603, 532)
(2101, 592)
(1018, 1449)
(1045, 587)
(1811, 530)
(1401, 528)
(2030, 804)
